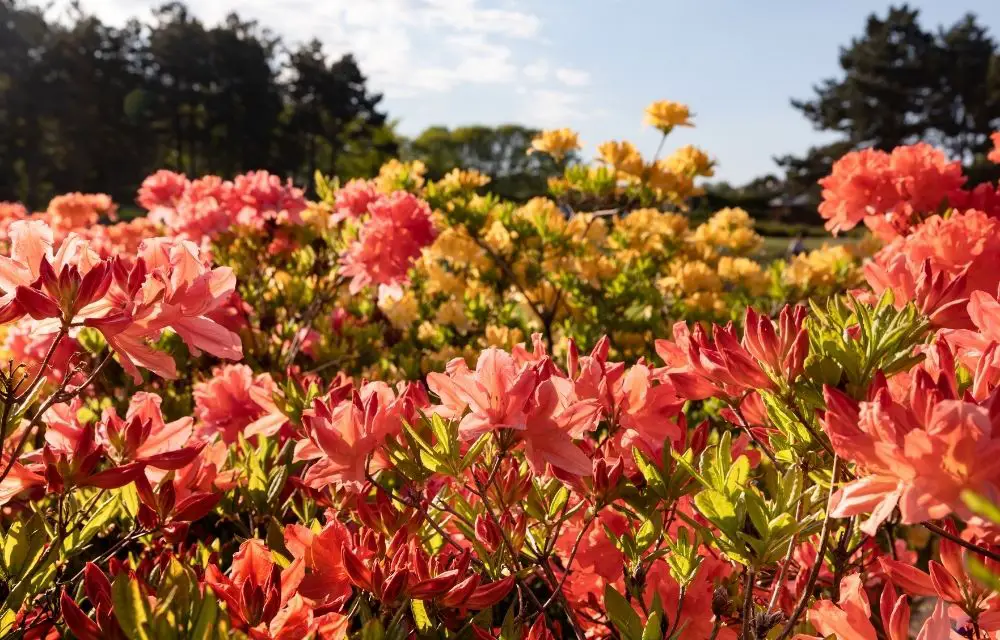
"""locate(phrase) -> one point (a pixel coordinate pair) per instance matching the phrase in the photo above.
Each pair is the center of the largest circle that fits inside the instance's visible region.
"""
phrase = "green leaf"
(718, 509)
(739, 473)
(131, 607)
(559, 501)
(130, 499)
(511, 629)
(23, 544)
(373, 630)
(95, 524)
(475, 450)
(420, 617)
(648, 532)
(980, 572)
(653, 624)
(654, 479)
(276, 483)
(625, 619)
(981, 506)
(443, 434)
(205, 621)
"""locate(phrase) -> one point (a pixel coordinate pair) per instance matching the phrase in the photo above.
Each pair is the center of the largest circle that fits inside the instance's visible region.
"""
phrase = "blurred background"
(96, 95)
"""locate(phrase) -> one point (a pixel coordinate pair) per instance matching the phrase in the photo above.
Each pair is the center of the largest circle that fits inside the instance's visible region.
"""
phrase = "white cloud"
(537, 71)
(407, 48)
(553, 108)
(572, 77)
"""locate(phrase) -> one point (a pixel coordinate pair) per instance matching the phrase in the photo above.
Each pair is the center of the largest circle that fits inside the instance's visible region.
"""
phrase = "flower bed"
(409, 409)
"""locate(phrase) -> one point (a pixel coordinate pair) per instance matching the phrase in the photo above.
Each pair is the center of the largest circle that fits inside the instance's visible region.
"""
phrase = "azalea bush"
(410, 409)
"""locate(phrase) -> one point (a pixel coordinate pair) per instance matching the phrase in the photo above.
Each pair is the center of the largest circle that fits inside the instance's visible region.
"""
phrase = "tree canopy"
(86, 106)
(500, 152)
(902, 83)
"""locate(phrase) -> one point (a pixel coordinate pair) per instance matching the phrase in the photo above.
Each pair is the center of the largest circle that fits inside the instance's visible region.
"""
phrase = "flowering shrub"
(412, 410)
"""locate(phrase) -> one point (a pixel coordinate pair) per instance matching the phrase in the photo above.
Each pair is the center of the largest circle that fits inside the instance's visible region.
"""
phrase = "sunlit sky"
(589, 64)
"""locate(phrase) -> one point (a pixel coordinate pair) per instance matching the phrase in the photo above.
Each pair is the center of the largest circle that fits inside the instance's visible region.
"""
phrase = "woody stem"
(40, 374)
(824, 536)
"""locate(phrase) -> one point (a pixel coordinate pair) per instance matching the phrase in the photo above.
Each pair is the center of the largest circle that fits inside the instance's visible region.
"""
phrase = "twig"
(800, 607)
(986, 553)
(747, 604)
(40, 374)
(572, 556)
(57, 396)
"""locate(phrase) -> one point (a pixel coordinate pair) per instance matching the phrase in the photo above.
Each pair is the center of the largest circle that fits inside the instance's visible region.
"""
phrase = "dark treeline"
(85, 106)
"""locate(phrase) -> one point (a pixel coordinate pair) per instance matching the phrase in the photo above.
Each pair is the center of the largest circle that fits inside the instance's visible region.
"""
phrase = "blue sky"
(591, 64)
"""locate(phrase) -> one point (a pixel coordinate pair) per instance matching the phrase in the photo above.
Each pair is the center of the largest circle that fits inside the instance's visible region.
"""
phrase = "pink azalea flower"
(168, 287)
(162, 189)
(344, 433)
(352, 200)
(889, 192)
(389, 241)
(227, 403)
(496, 393)
(144, 436)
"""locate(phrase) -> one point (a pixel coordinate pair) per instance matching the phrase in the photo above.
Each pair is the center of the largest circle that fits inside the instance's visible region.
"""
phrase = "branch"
(986, 553)
(800, 607)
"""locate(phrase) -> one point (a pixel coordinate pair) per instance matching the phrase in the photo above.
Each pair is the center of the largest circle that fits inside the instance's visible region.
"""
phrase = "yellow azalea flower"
(865, 247)
(595, 270)
(708, 302)
(441, 280)
(671, 186)
(454, 246)
(543, 213)
(823, 268)
(498, 238)
(447, 353)
(395, 175)
(632, 340)
(690, 161)
(459, 180)
(402, 312)
(428, 333)
(691, 276)
(503, 337)
(588, 228)
(453, 313)
(623, 156)
(745, 273)
(646, 231)
(665, 115)
(730, 228)
(556, 142)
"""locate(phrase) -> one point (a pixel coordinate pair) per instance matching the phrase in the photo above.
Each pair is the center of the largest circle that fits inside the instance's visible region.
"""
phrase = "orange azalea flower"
(849, 618)
(263, 599)
(227, 403)
(994, 154)
(390, 240)
(343, 433)
(888, 191)
(918, 455)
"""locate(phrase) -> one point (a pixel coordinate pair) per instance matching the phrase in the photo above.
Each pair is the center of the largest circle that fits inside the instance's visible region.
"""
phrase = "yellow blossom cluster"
(556, 142)
(622, 174)
(826, 269)
(665, 115)
(611, 250)
(731, 229)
